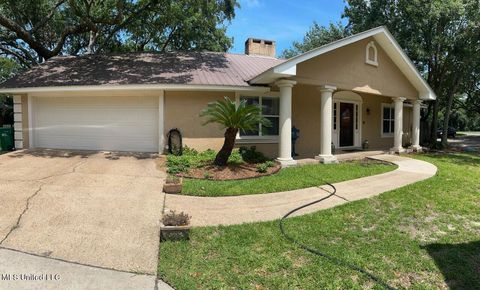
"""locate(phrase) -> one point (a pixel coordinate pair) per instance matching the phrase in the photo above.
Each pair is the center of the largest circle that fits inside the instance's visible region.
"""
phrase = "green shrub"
(262, 167)
(251, 155)
(270, 163)
(191, 158)
(177, 164)
(235, 158)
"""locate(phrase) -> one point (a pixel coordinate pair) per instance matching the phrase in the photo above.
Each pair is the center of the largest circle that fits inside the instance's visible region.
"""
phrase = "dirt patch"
(229, 172)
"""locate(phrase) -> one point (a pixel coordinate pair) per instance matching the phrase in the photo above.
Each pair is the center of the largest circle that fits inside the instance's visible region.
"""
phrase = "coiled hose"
(322, 254)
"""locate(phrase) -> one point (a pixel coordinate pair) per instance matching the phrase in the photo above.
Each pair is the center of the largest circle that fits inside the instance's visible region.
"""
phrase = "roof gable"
(381, 35)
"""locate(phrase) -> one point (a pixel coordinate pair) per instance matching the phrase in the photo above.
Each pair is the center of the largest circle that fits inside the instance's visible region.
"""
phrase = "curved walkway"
(209, 211)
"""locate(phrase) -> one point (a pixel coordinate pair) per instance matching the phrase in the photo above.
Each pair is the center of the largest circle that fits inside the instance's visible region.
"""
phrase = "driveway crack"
(27, 206)
(29, 199)
(73, 170)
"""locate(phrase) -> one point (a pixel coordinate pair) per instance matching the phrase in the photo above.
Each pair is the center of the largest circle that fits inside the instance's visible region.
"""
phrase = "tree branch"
(42, 23)
(169, 38)
(126, 22)
(37, 46)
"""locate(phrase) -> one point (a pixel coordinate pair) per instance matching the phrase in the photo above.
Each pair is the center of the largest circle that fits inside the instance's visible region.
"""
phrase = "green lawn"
(287, 179)
(422, 236)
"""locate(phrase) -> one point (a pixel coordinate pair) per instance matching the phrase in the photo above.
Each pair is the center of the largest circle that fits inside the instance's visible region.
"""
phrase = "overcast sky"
(281, 20)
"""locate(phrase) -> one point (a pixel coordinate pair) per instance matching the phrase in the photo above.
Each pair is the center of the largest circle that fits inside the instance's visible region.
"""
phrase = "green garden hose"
(332, 259)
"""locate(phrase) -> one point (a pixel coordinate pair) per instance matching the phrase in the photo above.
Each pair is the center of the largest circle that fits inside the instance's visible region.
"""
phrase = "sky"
(283, 21)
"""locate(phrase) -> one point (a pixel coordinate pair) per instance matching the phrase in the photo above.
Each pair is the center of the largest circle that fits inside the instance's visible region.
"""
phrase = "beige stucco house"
(359, 88)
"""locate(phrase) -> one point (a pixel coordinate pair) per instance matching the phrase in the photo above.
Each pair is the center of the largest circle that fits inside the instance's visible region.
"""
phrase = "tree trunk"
(433, 126)
(92, 41)
(222, 157)
(446, 117)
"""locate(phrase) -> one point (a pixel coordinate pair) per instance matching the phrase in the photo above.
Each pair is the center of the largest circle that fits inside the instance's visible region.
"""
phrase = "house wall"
(345, 68)
(182, 110)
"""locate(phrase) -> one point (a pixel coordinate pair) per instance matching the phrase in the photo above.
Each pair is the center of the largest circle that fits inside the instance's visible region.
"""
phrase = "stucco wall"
(372, 126)
(306, 118)
(182, 111)
(346, 68)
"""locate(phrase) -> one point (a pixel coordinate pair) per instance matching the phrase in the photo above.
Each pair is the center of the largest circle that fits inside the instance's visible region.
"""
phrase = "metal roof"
(187, 68)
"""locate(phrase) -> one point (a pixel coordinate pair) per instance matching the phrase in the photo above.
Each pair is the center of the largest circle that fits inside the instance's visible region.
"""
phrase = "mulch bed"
(229, 172)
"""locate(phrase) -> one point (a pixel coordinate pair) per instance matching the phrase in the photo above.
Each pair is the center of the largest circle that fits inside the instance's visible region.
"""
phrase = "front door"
(346, 124)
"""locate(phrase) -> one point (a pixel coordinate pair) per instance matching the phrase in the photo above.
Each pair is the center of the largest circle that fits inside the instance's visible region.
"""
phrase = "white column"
(416, 126)
(285, 123)
(326, 102)
(161, 133)
(398, 133)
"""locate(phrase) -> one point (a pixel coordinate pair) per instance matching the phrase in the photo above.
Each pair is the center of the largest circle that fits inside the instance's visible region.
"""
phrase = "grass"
(287, 179)
(422, 236)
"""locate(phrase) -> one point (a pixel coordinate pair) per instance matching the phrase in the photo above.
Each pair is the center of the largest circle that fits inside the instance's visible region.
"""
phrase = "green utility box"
(6, 139)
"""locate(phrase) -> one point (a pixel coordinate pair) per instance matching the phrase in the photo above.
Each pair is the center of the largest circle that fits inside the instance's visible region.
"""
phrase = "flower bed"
(244, 163)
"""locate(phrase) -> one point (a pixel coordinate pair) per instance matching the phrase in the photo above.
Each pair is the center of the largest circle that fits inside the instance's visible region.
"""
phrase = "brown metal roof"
(191, 68)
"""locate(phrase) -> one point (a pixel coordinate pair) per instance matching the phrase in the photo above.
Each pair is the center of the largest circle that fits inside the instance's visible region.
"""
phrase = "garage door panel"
(103, 123)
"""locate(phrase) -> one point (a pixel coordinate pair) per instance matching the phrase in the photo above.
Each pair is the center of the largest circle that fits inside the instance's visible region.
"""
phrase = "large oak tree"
(33, 31)
(442, 37)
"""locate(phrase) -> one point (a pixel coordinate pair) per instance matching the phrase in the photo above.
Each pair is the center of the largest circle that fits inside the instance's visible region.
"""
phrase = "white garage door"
(96, 123)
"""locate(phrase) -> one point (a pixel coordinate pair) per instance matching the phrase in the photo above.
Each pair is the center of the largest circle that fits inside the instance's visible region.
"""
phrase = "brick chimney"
(255, 46)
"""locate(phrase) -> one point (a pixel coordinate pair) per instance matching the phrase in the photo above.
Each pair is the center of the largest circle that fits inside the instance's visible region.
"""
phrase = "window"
(270, 110)
(371, 54)
(388, 120)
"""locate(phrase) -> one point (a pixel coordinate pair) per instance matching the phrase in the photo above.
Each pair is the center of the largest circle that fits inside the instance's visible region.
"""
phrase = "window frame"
(392, 118)
(373, 62)
(259, 138)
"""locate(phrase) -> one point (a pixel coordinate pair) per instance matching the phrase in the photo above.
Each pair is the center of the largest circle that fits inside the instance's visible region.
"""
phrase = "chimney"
(255, 46)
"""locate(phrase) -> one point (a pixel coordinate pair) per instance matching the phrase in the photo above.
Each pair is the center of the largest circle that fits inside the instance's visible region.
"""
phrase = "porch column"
(285, 123)
(326, 155)
(397, 139)
(416, 126)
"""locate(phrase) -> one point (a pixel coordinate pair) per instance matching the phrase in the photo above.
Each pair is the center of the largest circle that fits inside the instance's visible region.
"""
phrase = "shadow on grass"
(472, 159)
(459, 263)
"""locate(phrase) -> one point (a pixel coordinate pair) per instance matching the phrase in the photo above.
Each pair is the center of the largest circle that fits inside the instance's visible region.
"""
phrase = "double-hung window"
(270, 110)
(388, 120)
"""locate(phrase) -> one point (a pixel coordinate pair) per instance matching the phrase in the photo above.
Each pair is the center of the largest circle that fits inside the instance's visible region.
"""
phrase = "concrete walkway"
(24, 271)
(209, 211)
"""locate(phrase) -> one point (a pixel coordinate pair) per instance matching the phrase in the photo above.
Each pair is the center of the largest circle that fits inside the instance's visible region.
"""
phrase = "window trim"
(382, 119)
(258, 138)
(373, 62)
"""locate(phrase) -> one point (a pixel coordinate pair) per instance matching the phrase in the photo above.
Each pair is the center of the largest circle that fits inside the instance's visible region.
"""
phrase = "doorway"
(346, 124)
(347, 120)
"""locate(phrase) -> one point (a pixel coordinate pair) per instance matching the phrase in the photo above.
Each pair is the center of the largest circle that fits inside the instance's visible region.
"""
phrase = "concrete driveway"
(93, 208)
(469, 142)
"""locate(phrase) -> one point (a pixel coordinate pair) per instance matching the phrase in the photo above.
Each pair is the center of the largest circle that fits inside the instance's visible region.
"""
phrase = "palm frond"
(226, 113)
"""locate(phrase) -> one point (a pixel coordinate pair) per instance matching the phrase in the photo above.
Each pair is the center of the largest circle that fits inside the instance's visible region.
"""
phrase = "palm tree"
(232, 118)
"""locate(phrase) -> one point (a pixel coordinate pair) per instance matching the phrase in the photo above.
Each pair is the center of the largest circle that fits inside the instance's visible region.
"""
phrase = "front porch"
(329, 118)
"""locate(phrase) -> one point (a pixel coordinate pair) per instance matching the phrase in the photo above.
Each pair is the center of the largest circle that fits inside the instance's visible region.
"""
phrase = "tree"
(316, 37)
(232, 119)
(33, 31)
(7, 68)
(441, 37)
